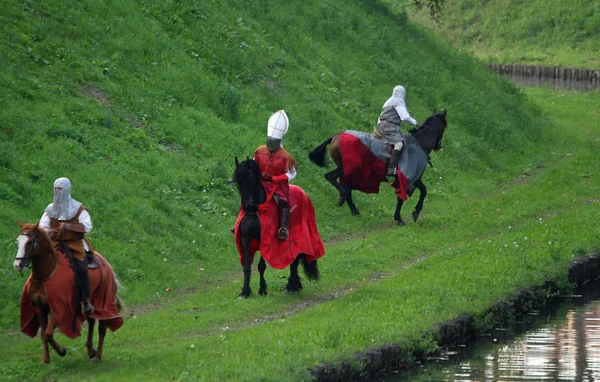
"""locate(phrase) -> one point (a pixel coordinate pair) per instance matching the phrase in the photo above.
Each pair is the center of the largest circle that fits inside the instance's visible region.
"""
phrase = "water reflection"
(554, 83)
(565, 348)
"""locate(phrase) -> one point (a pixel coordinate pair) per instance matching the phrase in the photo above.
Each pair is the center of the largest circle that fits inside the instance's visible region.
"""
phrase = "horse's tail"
(317, 156)
(311, 270)
(118, 301)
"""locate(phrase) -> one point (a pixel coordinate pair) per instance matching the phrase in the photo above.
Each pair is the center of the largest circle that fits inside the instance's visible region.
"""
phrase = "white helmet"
(278, 125)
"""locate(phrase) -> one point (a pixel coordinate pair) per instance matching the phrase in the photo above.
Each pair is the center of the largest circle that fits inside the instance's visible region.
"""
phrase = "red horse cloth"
(60, 292)
(304, 235)
(362, 168)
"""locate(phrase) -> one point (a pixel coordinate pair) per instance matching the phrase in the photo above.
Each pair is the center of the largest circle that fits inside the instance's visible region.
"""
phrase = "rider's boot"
(284, 222)
(84, 291)
(393, 163)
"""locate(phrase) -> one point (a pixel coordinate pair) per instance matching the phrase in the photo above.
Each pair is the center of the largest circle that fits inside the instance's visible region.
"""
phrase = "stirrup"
(283, 234)
(87, 309)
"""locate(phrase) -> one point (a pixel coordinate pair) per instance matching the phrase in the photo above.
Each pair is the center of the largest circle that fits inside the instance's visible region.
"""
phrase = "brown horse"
(47, 300)
(429, 137)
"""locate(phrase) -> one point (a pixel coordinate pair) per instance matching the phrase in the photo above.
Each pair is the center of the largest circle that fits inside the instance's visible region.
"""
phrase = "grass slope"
(373, 290)
(143, 105)
(541, 32)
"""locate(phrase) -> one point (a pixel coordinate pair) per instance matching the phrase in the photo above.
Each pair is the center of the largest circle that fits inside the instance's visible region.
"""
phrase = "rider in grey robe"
(392, 115)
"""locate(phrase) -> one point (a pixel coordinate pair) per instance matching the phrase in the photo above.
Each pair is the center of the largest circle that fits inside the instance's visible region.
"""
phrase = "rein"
(35, 241)
(29, 255)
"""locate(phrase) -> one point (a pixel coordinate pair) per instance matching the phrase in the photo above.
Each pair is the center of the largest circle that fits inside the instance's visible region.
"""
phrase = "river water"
(561, 343)
(554, 83)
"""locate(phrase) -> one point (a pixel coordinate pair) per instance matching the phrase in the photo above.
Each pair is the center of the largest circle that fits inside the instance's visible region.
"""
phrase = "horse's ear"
(444, 113)
(237, 163)
(19, 223)
(247, 159)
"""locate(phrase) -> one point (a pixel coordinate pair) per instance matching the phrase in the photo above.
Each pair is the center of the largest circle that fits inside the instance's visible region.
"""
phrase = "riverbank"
(510, 314)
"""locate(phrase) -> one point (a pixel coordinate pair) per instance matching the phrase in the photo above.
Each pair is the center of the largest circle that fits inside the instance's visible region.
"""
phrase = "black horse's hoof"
(355, 212)
(401, 222)
(415, 216)
(341, 201)
(62, 351)
(245, 294)
(92, 354)
(263, 292)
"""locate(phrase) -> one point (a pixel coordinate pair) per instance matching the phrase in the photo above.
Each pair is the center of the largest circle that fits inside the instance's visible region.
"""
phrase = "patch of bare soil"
(95, 93)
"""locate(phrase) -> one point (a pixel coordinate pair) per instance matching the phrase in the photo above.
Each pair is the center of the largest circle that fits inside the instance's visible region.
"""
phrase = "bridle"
(29, 248)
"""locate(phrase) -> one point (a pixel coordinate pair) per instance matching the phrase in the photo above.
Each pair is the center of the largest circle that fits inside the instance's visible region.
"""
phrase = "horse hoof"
(291, 291)
(45, 361)
(355, 213)
(401, 222)
(62, 351)
(95, 360)
(262, 292)
(341, 201)
(415, 216)
(92, 354)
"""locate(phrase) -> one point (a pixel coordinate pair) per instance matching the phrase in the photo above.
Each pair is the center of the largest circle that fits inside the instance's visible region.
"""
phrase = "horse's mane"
(250, 164)
(425, 124)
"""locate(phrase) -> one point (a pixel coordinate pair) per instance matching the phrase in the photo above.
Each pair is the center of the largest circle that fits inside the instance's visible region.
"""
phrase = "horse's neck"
(426, 138)
(44, 264)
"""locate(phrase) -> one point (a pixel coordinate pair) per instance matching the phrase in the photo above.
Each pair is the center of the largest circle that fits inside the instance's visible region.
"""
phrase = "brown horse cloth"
(60, 289)
(304, 235)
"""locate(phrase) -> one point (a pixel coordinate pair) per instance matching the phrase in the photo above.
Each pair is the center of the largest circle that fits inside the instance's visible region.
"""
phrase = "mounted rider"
(278, 167)
(392, 115)
(68, 221)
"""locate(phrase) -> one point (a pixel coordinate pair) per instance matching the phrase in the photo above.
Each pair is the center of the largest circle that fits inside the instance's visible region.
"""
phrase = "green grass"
(144, 105)
(388, 286)
(539, 32)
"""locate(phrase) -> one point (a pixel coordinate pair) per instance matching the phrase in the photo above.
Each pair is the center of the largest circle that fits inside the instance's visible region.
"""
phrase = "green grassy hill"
(144, 104)
(540, 32)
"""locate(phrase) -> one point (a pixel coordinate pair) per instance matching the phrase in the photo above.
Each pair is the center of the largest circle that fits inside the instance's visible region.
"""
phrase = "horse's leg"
(422, 195)
(350, 202)
(332, 177)
(101, 334)
(89, 343)
(42, 317)
(397, 216)
(49, 333)
(262, 266)
(245, 242)
(294, 284)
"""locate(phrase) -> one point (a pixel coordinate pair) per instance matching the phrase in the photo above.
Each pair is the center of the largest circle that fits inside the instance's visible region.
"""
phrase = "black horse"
(429, 135)
(247, 176)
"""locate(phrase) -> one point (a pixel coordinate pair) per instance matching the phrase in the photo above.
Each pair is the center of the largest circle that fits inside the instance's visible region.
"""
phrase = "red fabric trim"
(400, 184)
(304, 234)
(362, 168)
(60, 291)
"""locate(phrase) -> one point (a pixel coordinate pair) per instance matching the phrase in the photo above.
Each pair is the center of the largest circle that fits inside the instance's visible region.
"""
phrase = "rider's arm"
(84, 224)
(44, 221)
(291, 174)
(404, 115)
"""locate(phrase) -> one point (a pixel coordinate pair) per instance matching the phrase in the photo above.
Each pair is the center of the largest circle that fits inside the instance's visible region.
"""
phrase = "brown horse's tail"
(317, 156)
(118, 301)
(120, 305)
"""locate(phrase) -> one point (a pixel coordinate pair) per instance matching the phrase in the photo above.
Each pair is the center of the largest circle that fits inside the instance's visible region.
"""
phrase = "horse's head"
(431, 132)
(27, 244)
(247, 177)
